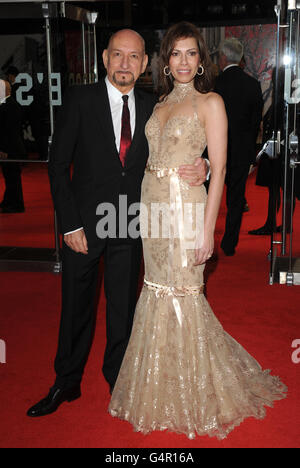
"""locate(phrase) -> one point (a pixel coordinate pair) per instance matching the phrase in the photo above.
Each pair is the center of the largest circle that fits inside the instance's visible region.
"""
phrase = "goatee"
(123, 82)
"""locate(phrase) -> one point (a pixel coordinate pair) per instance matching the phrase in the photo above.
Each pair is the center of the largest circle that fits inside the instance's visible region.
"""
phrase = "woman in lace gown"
(182, 372)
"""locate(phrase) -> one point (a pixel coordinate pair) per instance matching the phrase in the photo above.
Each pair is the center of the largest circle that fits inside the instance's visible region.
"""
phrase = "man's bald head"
(128, 34)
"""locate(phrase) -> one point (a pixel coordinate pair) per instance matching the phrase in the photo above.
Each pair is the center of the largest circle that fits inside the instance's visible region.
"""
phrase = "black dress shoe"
(11, 209)
(263, 231)
(51, 403)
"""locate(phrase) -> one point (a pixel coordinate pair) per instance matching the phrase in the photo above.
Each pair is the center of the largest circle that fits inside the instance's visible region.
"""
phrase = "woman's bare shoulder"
(211, 99)
(209, 105)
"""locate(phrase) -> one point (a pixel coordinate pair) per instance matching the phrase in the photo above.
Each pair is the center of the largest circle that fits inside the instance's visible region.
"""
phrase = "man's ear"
(105, 58)
(145, 63)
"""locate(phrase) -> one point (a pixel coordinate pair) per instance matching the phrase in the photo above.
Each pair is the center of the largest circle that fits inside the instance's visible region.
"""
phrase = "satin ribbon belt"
(161, 171)
(162, 291)
(176, 209)
(175, 292)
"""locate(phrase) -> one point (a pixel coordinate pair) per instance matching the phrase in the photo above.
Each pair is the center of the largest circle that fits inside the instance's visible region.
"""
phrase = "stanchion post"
(46, 13)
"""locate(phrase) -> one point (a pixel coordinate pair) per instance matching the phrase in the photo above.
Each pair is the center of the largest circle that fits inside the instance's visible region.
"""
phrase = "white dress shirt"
(116, 107)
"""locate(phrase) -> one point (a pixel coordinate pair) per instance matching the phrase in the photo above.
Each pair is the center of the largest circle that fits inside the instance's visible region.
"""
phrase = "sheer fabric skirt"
(182, 372)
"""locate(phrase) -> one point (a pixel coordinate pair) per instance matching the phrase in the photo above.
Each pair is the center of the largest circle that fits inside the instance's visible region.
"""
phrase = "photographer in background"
(11, 147)
(11, 75)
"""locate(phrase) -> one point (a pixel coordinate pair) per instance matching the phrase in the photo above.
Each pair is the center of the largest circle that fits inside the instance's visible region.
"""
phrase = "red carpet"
(264, 319)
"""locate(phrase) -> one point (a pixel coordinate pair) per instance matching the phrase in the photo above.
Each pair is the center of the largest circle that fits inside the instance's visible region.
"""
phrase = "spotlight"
(287, 60)
(216, 9)
(239, 9)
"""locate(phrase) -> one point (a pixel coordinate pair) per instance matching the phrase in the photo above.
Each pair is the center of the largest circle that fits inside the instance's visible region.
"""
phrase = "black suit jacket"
(244, 104)
(11, 138)
(84, 136)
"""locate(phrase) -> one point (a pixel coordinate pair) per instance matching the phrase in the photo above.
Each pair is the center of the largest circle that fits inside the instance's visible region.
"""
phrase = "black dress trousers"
(236, 180)
(80, 288)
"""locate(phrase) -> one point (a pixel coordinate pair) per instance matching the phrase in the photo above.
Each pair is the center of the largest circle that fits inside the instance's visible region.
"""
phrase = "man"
(11, 147)
(244, 103)
(94, 132)
(243, 65)
(11, 75)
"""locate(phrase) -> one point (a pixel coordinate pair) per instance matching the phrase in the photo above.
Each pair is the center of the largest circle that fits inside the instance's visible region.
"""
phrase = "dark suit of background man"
(88, 134)
(11, 147)
(244, 104)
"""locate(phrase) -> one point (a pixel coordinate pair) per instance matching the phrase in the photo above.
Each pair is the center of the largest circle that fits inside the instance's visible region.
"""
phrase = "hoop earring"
(165, 71)
(202, 71)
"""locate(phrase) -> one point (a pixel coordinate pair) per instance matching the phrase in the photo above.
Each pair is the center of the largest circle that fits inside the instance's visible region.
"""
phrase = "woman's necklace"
(180, 91)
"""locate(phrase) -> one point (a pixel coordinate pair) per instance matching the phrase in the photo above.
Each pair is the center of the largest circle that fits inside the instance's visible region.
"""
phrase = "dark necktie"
(126, 131)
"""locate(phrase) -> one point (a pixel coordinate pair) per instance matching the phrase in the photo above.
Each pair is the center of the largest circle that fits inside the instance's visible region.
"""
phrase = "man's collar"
(230, 66)
(114, 93)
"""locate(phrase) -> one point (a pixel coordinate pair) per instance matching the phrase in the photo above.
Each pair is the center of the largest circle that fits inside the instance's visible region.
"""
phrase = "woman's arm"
(216, 128)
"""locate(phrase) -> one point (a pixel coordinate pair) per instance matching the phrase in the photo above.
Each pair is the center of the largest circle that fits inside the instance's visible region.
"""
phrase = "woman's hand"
(205, 251)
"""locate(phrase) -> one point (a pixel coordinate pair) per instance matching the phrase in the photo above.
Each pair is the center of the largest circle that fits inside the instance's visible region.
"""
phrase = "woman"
(182, 371)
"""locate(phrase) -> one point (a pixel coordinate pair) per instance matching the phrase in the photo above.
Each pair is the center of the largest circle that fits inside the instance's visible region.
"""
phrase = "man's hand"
(195, 174)
(77, 242)
(3, 155)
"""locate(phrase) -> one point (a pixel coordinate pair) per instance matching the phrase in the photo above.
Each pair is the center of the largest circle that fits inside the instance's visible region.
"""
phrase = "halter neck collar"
(181, 91)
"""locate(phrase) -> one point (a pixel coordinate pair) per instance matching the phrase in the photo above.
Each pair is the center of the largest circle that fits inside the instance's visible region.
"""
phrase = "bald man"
(101, 131)
(11, 147)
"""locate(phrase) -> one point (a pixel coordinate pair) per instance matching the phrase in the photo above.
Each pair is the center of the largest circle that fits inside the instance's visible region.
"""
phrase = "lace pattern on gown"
(182, 372)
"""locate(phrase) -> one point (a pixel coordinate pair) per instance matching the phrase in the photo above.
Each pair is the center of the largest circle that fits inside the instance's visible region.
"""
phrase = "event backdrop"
(28, 54)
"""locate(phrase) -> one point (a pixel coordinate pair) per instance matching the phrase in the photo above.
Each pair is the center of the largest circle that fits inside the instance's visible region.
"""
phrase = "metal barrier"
(66, 29)
(283, 148)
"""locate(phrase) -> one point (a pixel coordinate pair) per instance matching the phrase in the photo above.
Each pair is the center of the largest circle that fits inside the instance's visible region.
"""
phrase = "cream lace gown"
(182, 371)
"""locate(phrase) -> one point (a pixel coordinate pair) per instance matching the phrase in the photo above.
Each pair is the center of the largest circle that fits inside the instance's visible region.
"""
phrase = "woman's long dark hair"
(204, 84)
